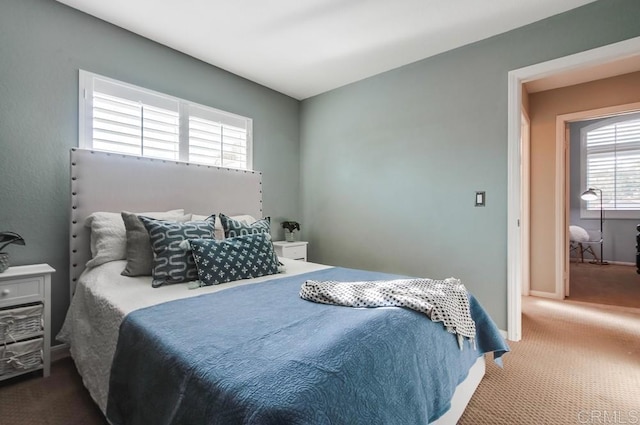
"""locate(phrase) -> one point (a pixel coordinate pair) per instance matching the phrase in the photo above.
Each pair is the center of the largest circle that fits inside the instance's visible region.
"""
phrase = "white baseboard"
(622, 263)
(59, 352)
(617, 263)
(503, 333)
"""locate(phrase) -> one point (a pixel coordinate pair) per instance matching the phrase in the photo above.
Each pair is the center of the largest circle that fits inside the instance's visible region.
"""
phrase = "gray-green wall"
(390, 164)
(42, 45)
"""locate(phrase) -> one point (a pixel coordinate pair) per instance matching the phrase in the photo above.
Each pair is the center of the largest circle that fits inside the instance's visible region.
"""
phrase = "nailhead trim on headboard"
(102, 181)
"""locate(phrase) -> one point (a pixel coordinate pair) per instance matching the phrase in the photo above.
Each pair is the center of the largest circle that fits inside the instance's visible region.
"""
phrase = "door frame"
(562, 122)
(515, 202)
(525, 187)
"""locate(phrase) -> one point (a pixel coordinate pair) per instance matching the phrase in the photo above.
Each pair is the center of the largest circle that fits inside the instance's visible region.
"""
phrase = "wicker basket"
(20, 323)
(4, 262)
(20, 356)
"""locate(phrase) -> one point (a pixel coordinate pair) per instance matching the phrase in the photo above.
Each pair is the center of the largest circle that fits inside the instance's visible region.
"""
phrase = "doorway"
(596, 59)
(573, 186)
(603, 146)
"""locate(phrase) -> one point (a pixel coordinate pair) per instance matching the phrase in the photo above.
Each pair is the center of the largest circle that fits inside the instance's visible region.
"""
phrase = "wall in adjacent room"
(544, 108)
(43, 43)
(390, 164)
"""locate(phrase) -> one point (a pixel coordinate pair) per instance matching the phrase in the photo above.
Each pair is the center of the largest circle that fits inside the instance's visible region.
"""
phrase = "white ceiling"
(306, 47)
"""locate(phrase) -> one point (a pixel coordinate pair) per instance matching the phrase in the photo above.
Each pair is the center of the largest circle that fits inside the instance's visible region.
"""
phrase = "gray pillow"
(139, 251)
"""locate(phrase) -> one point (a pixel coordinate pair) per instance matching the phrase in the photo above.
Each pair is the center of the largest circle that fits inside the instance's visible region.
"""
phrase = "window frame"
(595, 213)
(87, 82)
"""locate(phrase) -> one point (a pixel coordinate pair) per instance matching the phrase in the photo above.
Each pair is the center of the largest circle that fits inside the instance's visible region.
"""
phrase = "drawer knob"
(5, 292)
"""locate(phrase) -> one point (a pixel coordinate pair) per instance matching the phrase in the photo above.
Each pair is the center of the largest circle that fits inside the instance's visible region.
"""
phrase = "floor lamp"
(591, 195)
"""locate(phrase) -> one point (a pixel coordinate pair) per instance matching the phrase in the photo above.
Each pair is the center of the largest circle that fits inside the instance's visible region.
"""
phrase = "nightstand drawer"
(21, 291)
(295, 252)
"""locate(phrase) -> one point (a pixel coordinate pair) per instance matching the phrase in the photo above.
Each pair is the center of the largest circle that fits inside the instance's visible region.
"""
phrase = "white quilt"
(103, 298)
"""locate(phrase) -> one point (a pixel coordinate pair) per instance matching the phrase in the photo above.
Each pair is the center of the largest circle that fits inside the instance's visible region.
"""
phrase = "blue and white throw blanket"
(445, 301)
(259, 354)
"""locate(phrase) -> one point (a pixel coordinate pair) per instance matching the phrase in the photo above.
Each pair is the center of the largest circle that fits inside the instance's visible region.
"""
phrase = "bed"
(248, 351)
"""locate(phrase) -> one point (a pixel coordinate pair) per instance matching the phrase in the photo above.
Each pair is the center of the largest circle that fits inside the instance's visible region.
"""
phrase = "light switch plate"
(480, 199)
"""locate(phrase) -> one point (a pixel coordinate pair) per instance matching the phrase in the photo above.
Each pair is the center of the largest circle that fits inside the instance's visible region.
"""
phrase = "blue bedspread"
(258, 354)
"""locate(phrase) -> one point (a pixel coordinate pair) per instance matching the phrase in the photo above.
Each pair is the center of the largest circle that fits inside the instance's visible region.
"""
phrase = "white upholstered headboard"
(103, 181)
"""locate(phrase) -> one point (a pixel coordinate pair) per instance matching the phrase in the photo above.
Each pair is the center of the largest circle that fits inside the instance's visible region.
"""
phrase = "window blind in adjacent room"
(613, 164)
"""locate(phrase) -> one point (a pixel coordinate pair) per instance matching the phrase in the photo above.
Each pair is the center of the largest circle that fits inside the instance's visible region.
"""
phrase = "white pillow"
(578, 234)
(219, 231)
(109, 236)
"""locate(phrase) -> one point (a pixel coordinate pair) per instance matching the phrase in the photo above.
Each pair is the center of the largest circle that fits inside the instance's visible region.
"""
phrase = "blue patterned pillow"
(233, 228)
(171, 263)
(240, 257)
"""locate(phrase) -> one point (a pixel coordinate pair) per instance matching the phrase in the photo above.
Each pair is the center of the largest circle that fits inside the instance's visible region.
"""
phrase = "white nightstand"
(25, 320)
(294, 250)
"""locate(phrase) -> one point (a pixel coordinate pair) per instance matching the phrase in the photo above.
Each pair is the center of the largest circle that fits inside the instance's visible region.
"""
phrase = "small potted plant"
(290, 227)
(6, 239)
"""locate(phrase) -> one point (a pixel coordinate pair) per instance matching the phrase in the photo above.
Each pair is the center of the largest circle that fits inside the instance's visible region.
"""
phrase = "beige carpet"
(576, 363)
(60, 399)
(607, 284)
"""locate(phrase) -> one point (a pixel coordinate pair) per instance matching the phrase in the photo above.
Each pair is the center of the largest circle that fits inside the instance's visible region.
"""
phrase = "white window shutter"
(218, 139)
(119, 117)
(117, 124)
(613, 164)
(160, 131)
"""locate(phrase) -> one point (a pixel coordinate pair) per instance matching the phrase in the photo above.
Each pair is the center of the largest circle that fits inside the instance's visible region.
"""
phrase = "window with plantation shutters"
(216, 139)
(122, 118)
(611, 163)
